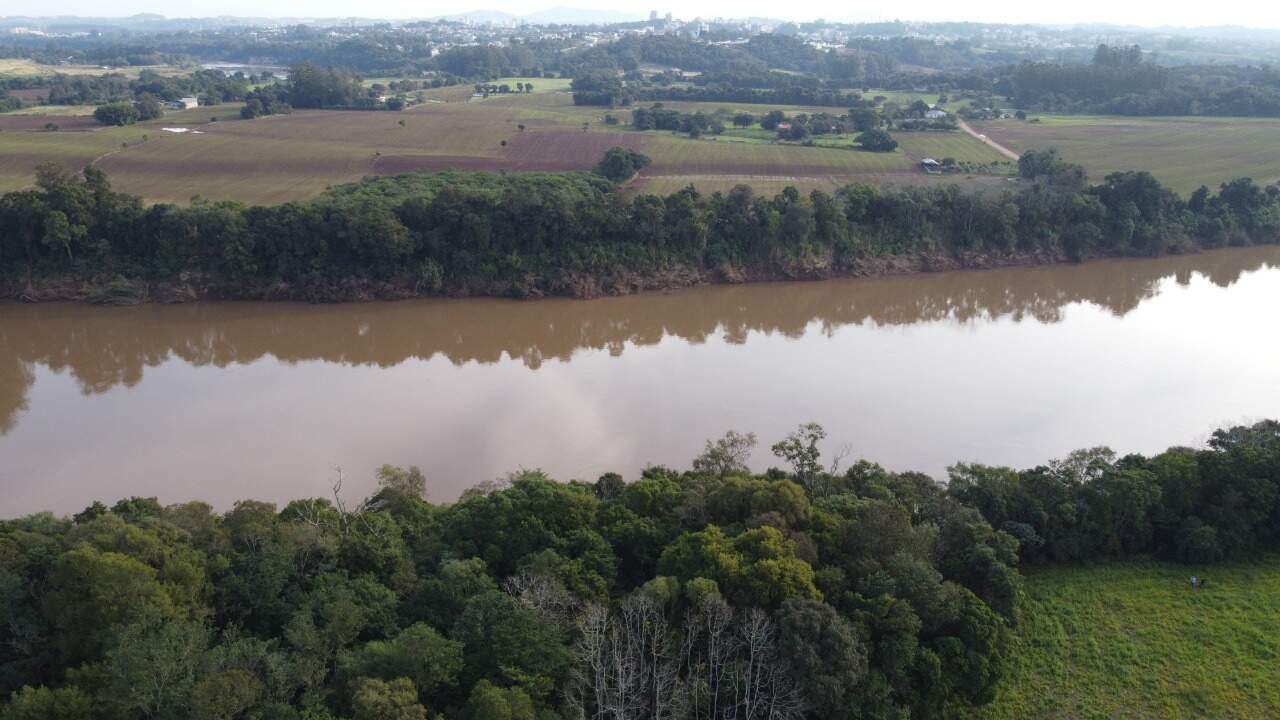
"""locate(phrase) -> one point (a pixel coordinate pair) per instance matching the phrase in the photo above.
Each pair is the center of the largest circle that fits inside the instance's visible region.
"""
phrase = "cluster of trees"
(488, 89)
(491, 61)
(265, 101)
(120, 113)
(8, 103)
(311, 86)
(620, 164)
(600, 87)
(803, 125)
(1120, 81)
(127, 113)
(546, 234)
(1184, 504)
(711, 593)
(877, 140)
(210, 86)
(658, 117)
(707, 594)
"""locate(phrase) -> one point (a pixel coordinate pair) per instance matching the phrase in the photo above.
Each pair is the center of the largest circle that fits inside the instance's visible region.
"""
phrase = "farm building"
(935, 114)
(931, 166)
(186, 103)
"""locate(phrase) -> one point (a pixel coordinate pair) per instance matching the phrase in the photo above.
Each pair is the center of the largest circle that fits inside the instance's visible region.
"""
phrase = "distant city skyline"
(1231, 12)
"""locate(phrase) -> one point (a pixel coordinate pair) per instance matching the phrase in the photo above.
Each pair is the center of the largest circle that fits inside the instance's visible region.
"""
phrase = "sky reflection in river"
(227, 401)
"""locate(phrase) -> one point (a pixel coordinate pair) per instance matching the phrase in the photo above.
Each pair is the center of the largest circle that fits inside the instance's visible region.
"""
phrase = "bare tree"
(628, 664)
(590, 677)
(763, 690)
(542, 593)
(719, 665)
(709, 647)
(337, 518)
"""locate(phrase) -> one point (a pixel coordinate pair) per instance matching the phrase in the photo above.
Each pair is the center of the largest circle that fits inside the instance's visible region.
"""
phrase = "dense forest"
(714, 592)
(211, 86)
(576, 234)
(1122, 81)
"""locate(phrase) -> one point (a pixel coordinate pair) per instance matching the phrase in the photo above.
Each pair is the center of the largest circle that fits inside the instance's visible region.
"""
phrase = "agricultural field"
(1135, 640)
(22, 67)
(291, 157)
(22, 149)
(53, 110)
(959, 145)
(1183, 152)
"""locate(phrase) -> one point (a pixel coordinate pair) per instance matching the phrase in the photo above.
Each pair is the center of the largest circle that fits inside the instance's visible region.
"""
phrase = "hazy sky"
(1252, 13)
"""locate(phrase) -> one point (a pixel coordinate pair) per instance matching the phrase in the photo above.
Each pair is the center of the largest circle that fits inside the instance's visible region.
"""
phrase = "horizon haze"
(1088, 12)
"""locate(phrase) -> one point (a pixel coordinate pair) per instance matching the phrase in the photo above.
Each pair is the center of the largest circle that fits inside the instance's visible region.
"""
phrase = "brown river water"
(223, 401)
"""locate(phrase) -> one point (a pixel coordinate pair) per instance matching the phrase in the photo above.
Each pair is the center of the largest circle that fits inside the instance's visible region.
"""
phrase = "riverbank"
(103, 289)
(572, 235)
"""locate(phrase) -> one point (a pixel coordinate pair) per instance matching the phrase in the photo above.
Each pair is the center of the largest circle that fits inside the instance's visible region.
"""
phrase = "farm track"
(988, 141)
(1182, 152)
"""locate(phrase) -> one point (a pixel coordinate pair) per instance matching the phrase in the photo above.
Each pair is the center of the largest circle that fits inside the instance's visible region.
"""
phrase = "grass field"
(22, 151)
(1134, 640)
(938, 145)
(540, 85)
(54, 110)
(22, 67)
(1183, 152)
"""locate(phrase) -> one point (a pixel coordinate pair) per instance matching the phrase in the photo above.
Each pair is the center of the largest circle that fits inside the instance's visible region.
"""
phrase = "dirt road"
(997, 146)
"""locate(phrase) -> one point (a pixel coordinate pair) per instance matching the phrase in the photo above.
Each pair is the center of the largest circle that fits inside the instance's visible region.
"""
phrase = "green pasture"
(1135, 640)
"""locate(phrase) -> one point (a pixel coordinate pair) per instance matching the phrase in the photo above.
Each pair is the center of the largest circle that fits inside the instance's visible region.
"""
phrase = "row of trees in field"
(307, 86)
(541, 234)
(210, 86)
(713, 593)
(801, 127)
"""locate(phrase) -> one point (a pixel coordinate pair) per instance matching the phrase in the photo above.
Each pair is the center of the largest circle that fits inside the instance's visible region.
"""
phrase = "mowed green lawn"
(1183, 152)
(1135, 640)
